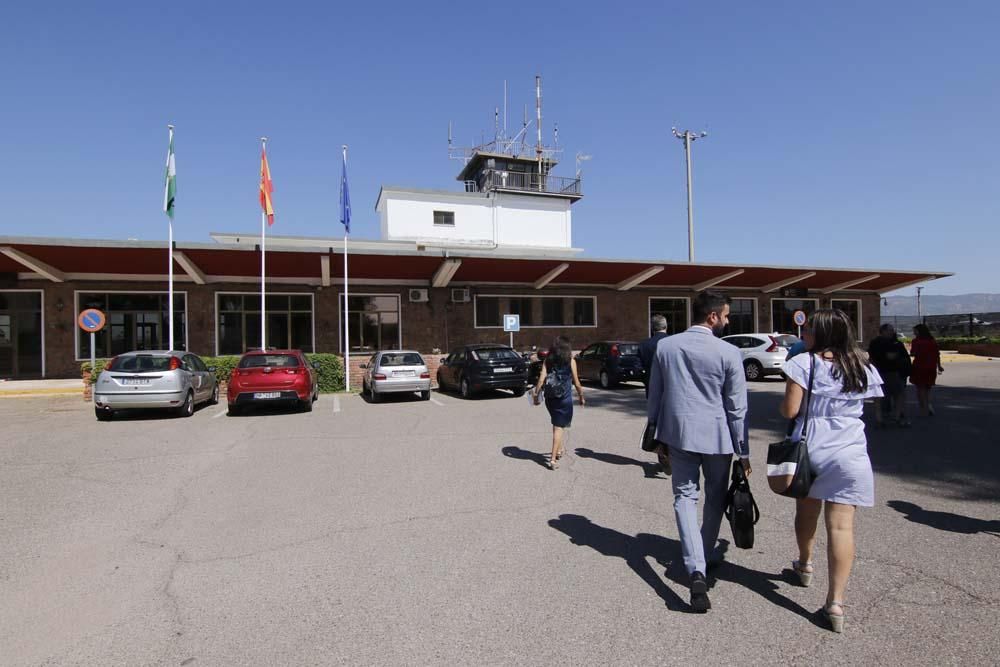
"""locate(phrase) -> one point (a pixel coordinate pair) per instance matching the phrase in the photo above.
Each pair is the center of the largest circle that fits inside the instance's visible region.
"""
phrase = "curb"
(28, 393)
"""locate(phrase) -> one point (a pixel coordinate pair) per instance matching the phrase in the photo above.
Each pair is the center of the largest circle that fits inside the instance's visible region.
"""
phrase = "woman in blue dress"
(556, 381)
(838, 451)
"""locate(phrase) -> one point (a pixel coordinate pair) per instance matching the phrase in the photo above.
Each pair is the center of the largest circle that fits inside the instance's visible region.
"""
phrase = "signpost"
(800, 318)
(511, 323)
(92, 320)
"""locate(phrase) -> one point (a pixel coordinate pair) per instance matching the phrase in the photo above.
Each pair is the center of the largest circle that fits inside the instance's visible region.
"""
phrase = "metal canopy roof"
(83, 259)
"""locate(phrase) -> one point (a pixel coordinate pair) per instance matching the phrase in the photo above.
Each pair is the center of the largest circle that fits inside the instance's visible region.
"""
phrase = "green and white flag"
(170, 190)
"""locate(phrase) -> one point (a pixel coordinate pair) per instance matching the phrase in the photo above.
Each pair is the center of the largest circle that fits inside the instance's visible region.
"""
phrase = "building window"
(536, 311)
(444, 218)
(583, 312)
(289, 322)
(487, 311)
(135, 321)
(675, 310)
(852, 307)
(523, 306)
(742, 317)
(373, 322)
(783, 312)
(552, 312)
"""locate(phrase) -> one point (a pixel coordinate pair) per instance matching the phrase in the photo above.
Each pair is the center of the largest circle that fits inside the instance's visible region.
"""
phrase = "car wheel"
(518, 393)
(234, 410)
(425, 395)
(465, 389)
(215, 396)
(606, 382)
(104, 414)
(306, 405)
(753, 370)
(440, 382)
(373, 395)
(187, 408)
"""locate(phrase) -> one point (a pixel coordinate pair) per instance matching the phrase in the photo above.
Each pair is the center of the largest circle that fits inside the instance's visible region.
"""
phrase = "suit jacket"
(647, 350)
(698, 394)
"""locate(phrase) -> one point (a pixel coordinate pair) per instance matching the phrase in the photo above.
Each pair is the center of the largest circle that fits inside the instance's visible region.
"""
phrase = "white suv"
(763, 354)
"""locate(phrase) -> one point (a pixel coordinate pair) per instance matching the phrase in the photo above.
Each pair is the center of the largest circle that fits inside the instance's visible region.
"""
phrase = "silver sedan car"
(396, 371)
(154, 379)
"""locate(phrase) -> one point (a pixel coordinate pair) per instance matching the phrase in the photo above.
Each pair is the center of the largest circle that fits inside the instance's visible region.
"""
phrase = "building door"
(20, 335)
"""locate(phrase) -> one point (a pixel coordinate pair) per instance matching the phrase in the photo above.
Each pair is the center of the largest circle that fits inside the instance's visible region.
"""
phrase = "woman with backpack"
(556, 381)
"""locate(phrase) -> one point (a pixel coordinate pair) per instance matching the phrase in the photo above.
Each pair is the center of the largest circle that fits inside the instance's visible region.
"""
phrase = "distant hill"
(931, 304)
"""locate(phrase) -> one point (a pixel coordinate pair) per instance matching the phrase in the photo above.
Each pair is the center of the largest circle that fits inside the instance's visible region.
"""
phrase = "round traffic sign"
(91, 320)
(800, 318)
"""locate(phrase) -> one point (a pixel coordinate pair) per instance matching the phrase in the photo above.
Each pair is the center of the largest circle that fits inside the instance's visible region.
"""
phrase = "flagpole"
(263, 251)
(170, 248)
(347, 340)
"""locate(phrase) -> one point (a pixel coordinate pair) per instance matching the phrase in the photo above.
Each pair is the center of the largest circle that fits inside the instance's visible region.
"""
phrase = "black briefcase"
(741, 508)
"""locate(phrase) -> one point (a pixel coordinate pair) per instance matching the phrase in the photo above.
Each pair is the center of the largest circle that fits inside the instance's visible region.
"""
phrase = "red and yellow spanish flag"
(266, 188)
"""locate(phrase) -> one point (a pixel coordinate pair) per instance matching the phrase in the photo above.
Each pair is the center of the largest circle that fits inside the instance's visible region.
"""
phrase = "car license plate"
(131, 381)
(504, 369)
(267, 394)
(403, 374)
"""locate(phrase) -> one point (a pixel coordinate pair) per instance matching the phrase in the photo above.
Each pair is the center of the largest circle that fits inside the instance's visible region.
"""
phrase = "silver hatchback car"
(763, 354)
(396, 371)
(154, 379)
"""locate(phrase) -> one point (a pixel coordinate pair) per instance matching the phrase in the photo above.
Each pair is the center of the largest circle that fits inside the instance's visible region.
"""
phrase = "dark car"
(535, 362)
(273, 376)
(610, 362)
(472, 369)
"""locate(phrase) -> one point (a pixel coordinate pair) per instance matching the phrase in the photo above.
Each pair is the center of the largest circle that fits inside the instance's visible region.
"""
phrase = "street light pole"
(688, 137)
(919, 314)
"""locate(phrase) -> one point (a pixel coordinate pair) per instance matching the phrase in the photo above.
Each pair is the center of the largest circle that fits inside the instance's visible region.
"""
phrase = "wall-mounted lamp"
(60, 305)
(885, 301)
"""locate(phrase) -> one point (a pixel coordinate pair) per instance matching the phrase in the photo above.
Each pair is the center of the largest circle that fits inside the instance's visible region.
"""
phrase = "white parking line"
(336, 403)
(219, 414)
(436, 402)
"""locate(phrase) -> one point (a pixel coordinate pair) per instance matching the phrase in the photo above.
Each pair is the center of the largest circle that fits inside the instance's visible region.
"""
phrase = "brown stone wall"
(426, 327)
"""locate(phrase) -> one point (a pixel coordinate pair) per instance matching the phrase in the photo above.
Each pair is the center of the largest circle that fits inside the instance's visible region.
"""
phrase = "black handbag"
(741, 508)
(789, 471)
(649, 442)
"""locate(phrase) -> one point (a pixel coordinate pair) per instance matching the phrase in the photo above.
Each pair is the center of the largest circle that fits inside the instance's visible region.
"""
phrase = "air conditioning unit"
(460, 296)
(418, 296)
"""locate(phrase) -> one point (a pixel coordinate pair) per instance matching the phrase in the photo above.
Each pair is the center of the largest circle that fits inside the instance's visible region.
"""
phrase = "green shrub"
(331, 372)
(967, 340)
(331, 369)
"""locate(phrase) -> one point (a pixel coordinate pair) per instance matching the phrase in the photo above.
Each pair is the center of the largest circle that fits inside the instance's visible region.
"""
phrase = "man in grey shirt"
(698, 401)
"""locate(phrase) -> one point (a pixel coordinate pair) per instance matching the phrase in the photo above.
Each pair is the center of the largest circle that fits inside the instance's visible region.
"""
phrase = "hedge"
(967, 340)
(331, 369)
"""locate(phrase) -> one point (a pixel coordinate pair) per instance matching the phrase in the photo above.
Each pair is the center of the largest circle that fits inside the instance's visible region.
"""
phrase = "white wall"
(520, 220)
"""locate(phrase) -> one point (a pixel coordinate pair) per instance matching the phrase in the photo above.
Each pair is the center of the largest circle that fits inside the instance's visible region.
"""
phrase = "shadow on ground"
(650, 469)
(636, 551)
(954, 523)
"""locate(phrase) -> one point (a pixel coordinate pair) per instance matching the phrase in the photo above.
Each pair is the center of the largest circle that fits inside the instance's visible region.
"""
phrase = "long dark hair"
(833, 332)
(921, 331)
(561, 352)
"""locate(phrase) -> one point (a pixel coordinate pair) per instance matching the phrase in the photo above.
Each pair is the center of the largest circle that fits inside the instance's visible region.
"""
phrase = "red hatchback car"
(272, 376)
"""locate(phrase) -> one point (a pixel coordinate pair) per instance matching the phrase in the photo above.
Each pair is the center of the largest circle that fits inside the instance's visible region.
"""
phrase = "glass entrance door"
(20, 335)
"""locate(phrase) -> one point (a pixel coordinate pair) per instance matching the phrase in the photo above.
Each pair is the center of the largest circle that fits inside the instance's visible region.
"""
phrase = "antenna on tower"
(505, 108)
(555, 134)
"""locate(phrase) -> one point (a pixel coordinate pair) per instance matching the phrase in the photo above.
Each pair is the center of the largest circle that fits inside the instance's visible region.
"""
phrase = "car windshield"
(628, 348)
(272, 360)
(401, 359)
(785, 340)
(495, 354)
(140, 363)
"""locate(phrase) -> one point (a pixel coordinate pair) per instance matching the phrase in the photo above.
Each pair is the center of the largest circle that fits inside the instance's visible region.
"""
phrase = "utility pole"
(688, 137)
(919, 313)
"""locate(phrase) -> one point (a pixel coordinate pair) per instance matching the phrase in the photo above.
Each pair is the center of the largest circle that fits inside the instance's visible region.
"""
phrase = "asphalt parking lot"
(413, 532)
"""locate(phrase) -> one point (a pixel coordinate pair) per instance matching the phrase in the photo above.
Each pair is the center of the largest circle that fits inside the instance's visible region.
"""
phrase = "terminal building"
(448, 266)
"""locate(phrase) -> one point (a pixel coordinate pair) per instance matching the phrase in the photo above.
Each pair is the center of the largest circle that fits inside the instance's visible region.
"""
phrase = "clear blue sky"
(850, 134)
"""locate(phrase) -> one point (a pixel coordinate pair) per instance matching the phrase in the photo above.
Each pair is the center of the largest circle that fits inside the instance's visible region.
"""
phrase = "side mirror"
(444, 360)
(362, 365)
(315, 365)
(211, 369)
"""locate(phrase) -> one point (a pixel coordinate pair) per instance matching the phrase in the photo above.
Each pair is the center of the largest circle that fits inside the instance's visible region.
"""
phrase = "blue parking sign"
(512, 323)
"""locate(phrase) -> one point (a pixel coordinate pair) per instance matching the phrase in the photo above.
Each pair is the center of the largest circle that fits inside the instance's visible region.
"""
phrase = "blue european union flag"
(345, 199)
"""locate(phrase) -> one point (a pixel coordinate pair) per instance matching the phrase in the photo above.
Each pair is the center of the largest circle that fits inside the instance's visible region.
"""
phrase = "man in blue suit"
(698, 401)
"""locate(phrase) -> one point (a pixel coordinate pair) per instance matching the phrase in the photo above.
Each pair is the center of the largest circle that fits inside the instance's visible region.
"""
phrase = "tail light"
(425, 376)
(615, 352)
(293, 371)
(175, 363)
(379, 376)
(774, 345)
(242, 371)
(110, 366)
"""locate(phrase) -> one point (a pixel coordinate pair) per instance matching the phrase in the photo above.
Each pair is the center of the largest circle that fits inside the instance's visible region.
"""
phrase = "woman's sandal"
(836, 620)
(805, 575)
(553, 463)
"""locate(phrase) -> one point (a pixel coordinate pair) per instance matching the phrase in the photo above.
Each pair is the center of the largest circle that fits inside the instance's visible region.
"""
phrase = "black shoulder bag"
(789, 471)
(741, 508)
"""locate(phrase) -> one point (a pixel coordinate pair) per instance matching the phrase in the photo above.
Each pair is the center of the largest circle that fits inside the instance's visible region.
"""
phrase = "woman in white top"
(838, 450)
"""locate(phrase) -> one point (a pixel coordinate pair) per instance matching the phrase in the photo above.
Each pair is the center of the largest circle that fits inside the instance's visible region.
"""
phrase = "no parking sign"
(92, 320)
